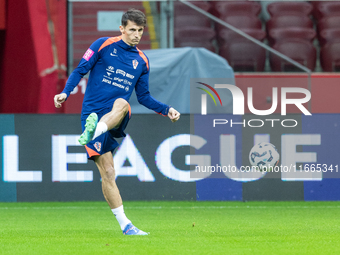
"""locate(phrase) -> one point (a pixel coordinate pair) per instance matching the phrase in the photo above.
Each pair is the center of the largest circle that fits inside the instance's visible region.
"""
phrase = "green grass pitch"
(175, 228)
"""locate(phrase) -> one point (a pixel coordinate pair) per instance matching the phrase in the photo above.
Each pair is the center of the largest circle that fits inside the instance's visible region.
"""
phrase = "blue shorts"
(106, 142)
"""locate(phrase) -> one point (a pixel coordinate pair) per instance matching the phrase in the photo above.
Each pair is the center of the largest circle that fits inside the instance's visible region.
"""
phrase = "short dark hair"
(135, 16)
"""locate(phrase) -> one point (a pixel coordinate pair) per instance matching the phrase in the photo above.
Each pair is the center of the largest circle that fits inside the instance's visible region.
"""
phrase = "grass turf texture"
(175, 228)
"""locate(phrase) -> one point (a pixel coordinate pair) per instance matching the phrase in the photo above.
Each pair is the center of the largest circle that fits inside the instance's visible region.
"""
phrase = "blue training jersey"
(116, 69)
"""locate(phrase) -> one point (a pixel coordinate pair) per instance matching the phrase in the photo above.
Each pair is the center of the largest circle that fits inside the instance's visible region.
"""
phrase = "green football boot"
(90, 127)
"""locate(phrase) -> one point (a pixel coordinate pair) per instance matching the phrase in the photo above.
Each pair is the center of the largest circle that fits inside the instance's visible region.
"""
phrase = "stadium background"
(42, 41)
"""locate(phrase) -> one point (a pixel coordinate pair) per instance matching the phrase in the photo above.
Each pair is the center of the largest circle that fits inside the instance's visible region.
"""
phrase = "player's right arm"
(59, 99)
(85, 65)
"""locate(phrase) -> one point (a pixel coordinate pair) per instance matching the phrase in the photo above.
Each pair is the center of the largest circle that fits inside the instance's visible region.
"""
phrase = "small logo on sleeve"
(88, 54)
(134, 63)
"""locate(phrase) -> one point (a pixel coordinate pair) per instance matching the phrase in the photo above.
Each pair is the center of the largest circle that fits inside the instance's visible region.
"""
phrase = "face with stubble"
(131, 33)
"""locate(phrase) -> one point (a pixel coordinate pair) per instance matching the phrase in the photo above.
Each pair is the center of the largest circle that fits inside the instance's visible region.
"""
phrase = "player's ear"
(122, 29)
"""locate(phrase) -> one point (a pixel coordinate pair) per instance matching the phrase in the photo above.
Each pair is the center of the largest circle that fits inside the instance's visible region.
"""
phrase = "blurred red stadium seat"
(290, 8)
(236, 8)
(226, 35)
(328, 22)
(302, 51)
(244, 55)
(326, 8)
(329, 35)
(241, 22)
(191, 20)
(182, 9)
(279, 34)
(330, 57)
(206, 45)
(316, 3)
(194, 33)
(195, 37)
(289, 21)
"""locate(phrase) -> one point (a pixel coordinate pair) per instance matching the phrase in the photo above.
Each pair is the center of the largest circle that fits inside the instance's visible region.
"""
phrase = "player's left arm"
(144, 97)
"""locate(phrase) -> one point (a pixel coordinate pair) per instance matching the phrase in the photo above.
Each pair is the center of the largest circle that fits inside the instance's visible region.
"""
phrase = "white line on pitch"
(173, 207)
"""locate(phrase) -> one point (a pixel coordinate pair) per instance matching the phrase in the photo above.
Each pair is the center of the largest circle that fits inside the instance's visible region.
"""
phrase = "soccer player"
(117, 67)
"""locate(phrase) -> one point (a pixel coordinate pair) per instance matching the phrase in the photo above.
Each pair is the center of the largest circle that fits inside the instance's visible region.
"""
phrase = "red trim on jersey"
(129, 110)
(161, 114)
(110, 41)
(143, 57)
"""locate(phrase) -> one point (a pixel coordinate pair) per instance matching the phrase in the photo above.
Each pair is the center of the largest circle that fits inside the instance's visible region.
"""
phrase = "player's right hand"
(59, 99)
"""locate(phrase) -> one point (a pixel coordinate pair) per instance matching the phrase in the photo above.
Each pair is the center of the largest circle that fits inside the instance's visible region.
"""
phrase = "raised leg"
(113, 118)
(110, 120)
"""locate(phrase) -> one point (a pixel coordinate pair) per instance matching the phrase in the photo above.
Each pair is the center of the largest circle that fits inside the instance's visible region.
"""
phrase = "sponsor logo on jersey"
(108, 75)
(121, 72)
(98, 146)
(114, 83)
(134, 63)
(106, 80)
(118, 85)
(127, 82)
(130, 76)
(118, 79)
(88, 54)
(110, 69)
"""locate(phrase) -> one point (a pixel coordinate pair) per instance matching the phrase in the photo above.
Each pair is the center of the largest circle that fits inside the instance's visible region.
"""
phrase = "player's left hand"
(173, 115)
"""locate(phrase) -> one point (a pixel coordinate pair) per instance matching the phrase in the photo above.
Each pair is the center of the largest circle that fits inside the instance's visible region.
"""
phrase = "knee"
(109, 174)
(121, 105)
